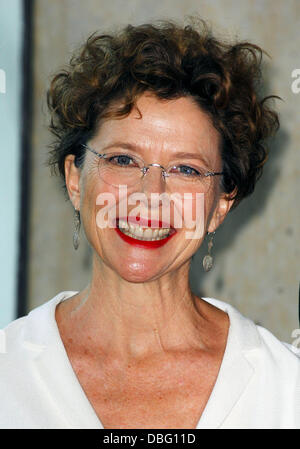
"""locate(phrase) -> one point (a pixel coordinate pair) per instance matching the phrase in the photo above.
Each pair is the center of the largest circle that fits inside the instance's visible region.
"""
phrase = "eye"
(186, 170)
(122, 160)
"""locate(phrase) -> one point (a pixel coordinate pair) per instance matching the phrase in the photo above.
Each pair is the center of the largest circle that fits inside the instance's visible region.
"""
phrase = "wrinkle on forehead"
(164, 127)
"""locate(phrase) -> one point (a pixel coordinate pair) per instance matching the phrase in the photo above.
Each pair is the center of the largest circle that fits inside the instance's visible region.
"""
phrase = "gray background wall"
(257, 248)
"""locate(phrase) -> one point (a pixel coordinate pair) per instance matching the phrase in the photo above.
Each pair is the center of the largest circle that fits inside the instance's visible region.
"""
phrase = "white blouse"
(258, 385)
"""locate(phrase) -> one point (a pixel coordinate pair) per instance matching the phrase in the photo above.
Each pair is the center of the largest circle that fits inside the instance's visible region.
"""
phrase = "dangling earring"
(208, 259)
(76, 238)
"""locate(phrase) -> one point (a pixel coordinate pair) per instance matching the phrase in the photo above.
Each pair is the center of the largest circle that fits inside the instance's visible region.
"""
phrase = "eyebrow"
(125, 145)
(134, 147)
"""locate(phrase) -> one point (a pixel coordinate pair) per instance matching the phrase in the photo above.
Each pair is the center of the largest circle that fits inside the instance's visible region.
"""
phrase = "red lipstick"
(148, 244)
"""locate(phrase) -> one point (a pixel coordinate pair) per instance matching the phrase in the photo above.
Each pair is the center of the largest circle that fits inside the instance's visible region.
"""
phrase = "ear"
(72, 177)
(224, 204)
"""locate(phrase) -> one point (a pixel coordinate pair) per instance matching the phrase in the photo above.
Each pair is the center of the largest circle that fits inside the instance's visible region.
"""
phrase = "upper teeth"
(137, 231)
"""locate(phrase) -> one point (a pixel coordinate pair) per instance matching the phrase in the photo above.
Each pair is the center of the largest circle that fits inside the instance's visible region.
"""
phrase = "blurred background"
(256, 250)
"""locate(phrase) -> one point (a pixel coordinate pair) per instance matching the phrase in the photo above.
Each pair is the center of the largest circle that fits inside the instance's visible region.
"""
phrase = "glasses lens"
(117, 168)
(184, 178)
(120, 169)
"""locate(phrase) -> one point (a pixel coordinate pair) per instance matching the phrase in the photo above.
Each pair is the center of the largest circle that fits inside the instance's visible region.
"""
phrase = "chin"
(138, 272)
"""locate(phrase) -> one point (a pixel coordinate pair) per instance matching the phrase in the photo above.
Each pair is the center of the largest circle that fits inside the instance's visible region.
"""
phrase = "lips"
(145, 233)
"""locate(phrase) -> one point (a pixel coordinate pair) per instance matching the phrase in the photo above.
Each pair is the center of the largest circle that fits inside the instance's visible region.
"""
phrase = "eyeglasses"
(117, 168)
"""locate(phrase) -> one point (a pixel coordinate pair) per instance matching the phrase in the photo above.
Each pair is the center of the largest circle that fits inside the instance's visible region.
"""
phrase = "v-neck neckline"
(226, 390)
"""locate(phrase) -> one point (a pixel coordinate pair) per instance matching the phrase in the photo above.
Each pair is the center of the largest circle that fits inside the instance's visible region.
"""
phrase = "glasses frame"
(145, 168)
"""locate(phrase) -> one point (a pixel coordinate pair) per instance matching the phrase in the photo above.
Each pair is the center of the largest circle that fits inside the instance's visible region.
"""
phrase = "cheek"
(91, 188)
(197, 210)
(101, 205)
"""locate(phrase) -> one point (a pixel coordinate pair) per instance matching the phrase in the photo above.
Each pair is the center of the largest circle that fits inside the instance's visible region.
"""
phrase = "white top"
(258, 385)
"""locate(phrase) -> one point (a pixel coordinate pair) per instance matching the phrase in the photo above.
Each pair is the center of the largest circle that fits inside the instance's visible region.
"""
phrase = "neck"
(135, 320)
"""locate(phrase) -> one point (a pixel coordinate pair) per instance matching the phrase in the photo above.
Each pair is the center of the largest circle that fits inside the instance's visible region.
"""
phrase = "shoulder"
(30, 329)
(266, 371)
(274, 345)
(281, 358)
(256, 339)
(30, 357)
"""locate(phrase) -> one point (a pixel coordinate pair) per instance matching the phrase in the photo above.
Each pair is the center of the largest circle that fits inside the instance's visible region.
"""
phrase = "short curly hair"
(171, 61)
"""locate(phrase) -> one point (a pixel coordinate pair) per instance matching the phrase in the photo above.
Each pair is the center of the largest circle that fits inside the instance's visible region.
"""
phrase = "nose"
(153, 186)
(153, 180)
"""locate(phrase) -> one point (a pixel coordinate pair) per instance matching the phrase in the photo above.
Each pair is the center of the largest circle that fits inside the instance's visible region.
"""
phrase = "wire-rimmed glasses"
(119, 168)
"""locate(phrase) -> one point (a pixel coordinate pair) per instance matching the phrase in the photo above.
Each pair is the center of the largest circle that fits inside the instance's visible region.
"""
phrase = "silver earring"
(77, 222)
(208, 259)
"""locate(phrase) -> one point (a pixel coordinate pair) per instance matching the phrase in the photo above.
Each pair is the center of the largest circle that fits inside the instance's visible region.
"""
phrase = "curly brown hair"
(171, 61)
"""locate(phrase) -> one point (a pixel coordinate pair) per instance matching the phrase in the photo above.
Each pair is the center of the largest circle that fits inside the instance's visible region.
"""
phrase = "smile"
(143, 235)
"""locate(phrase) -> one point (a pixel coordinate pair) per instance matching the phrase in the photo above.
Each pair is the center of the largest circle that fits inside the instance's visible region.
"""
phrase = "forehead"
(171, 125)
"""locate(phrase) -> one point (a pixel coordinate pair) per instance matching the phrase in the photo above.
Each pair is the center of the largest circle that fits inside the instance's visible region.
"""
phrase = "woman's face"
(162, 134)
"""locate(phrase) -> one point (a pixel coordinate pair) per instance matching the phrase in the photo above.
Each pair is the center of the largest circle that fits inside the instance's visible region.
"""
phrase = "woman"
(140, 115)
